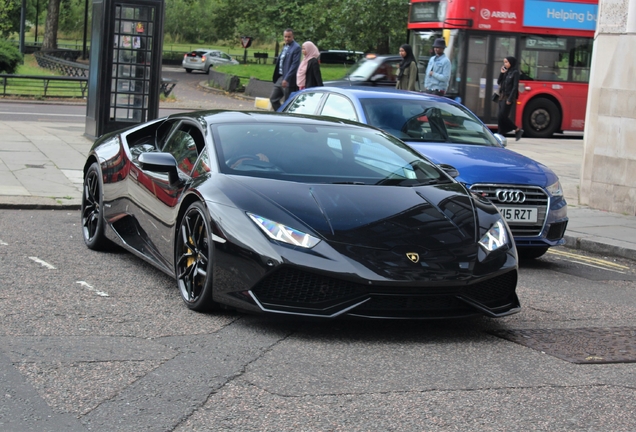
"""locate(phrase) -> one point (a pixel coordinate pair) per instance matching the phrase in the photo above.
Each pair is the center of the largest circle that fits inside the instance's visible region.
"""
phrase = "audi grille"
(518, 196)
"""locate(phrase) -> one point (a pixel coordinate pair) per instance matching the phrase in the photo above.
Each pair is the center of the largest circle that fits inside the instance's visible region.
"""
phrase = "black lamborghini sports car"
(279, 213)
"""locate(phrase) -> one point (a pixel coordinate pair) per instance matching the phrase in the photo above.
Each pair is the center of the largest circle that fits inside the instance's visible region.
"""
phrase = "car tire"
(207, 71)
(188, 70)
(193, 262)
(541, 118)
(531, 252)
(92, 210)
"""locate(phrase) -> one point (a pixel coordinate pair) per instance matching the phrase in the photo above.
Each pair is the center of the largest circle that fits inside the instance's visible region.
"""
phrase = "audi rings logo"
(485, 14)
(510, 196)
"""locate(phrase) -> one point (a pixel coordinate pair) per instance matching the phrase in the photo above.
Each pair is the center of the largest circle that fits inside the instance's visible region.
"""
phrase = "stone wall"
(258, 88)
(608, 173)
(223, 81)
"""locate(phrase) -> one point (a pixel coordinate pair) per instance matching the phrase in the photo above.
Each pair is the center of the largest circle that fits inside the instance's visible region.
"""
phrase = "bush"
(10, 57)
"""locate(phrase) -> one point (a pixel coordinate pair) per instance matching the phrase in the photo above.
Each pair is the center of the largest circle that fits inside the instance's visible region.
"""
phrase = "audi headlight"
(283, 233)
(555, 189)
(496, 237)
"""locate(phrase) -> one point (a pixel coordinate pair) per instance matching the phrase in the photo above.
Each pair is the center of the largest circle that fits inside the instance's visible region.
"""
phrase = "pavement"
(41, 168)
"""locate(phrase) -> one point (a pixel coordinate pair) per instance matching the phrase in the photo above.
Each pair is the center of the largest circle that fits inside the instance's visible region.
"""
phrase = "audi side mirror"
(502, 140)
(450, 170)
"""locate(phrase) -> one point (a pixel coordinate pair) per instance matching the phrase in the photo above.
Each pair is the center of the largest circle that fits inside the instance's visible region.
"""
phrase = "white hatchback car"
(203, 59)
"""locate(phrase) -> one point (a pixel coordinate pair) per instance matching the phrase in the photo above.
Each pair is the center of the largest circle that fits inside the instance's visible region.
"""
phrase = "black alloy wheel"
(92, 216)
(541, 118)
(193, 259)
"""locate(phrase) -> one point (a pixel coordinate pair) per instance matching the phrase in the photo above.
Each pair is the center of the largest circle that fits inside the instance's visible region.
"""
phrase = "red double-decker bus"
(552, 41)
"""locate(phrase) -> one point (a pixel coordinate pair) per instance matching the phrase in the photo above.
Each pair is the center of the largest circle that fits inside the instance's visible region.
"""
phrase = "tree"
(372, 25)
(10, 57)
(9, 17)
(50, 27)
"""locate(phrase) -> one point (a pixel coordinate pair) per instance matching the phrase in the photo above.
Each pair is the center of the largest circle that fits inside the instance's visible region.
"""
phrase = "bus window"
(544, 58)
(581, 58)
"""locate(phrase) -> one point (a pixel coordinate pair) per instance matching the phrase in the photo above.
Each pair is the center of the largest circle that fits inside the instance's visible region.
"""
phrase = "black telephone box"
(125, 64)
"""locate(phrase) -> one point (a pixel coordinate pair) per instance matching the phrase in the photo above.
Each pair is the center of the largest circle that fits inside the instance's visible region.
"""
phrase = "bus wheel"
(541, 118)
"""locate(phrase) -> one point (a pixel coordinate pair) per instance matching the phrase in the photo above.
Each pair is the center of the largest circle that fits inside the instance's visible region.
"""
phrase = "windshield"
(363, 69)
(427, 120)
(309, 153)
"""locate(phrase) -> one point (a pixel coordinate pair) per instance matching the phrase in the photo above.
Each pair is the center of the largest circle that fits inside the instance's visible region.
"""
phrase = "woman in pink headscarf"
(309, 70)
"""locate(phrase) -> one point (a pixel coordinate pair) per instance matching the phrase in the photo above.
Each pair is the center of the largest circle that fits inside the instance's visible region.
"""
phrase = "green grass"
(265, 72)
(34, 88)
(30, 67)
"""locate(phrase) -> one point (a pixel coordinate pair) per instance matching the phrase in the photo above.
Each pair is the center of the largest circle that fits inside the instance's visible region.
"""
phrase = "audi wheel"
(193, 259)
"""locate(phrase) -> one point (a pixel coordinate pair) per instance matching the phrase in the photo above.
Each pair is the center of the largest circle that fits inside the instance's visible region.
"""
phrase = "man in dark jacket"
(285, 71)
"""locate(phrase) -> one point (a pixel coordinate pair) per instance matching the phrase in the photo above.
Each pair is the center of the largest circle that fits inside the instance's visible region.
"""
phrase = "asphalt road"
(188, 96)
(102, 342)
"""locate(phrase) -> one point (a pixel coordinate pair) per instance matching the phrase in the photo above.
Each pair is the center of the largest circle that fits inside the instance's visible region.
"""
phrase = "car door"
(213, 58)
(386, 74)
(185, 143)
(225, 58)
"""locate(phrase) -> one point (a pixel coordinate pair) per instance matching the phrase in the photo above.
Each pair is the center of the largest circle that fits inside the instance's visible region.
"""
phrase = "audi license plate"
(519, 214)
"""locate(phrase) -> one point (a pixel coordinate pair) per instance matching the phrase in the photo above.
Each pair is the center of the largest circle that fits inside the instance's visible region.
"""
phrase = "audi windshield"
(417, 120)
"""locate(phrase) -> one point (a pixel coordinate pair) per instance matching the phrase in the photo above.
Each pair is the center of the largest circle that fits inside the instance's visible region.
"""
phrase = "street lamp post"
(37, 20)
(22, 18)
(84, 56)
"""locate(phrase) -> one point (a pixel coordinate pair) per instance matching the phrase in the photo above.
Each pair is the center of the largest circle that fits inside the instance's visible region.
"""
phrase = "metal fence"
(43, 86)
(62, 61)
(59, 61)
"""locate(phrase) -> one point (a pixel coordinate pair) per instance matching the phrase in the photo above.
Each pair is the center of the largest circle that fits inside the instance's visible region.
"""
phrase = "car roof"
(381, 57)
(366, 92)
(229, 116)
(342, 51)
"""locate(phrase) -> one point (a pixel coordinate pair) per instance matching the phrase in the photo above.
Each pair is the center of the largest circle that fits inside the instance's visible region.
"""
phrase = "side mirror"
(502, 140)
(450, 170)
(161, 163)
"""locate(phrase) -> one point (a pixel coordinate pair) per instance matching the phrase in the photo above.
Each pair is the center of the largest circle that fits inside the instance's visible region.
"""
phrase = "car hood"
(483, 164)
(382, 217)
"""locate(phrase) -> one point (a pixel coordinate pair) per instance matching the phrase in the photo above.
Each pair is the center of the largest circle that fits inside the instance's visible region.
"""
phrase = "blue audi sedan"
(528, 194)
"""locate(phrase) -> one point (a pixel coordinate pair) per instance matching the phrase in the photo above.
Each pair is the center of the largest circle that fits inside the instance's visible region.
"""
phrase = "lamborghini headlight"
(283, 233)
(496, 237)
(555, 189)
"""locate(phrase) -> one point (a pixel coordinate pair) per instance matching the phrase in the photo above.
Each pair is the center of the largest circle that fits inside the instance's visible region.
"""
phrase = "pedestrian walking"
(309, 70)
(285, 71)
(508, 82)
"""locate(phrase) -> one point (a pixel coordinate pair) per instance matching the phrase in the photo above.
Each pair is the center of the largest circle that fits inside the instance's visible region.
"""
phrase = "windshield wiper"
(357, 183)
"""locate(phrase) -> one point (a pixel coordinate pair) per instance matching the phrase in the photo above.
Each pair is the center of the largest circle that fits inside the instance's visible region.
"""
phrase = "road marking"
(43, 114)
(590, 262)
(90, 288)
(43, 263)
(588, 259)
(3, 243)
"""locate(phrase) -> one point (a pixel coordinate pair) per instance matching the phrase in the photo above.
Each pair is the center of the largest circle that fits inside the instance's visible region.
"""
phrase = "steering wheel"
(249, 162)
(233, 162)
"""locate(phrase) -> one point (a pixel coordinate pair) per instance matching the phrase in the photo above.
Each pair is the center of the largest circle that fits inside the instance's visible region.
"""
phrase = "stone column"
(608, 173)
